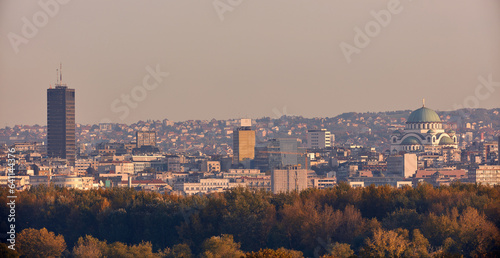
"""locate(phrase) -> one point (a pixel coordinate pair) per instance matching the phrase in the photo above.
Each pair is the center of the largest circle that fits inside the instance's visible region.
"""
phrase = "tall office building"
(243, 142)
(280, 153)
(319, 139)
(61, 122)
(145, 138)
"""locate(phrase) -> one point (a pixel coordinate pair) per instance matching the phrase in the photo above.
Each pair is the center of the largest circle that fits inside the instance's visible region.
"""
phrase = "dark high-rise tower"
(61, 122)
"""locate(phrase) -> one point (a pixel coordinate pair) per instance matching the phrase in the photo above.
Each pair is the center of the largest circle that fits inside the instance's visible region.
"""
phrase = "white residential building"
(238, 173)
(319, 139)
(82, 183)
(207, 185)
(81, 166)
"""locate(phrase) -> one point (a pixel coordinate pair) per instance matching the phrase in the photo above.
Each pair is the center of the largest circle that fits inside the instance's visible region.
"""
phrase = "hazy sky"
(250, 58)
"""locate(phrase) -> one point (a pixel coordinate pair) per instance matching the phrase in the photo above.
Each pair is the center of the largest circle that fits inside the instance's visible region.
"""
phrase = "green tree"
(339, 250)
(221, 247)
(419, 246)
(89, 246)
(40, 243)
(476, 235)
(385, 244)
(177, 251)
(6, 252)
(118, 249)
(249, 217)
(278, 253)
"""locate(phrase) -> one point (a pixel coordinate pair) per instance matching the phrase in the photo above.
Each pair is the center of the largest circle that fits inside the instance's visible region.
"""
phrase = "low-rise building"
(257, 183)
(81, 166)
(380, 181)
(210, 166)
(145, 183)
(438, 177)
(322, 183)
(206, 185)
(238, 173)
(118, 167)
(82, 183)
(40, 180)
(20, 182)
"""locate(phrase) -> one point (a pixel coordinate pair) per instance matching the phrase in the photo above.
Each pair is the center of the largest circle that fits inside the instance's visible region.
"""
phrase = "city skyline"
(233, 128)
(191, 64)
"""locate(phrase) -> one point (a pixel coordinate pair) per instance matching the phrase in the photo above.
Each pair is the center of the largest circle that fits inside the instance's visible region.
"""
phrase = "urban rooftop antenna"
(60, 74)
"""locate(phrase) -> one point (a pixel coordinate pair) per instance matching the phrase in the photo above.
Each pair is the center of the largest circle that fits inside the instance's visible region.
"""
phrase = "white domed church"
(423, 133)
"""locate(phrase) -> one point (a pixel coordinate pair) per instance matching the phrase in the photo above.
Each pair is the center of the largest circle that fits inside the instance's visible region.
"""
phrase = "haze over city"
(253, 59)
(258, 128)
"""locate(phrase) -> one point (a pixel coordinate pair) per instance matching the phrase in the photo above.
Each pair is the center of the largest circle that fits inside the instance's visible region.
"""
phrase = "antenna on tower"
(60, 74)
(57, 77)
(423, 102)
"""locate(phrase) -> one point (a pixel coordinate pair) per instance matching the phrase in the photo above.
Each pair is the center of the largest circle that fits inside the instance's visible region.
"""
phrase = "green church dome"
(423, 115)
(446, 141)
(410, 141)
(431, 132)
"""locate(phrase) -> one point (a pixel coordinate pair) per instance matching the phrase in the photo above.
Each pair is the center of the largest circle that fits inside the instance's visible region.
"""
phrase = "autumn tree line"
(456, 220)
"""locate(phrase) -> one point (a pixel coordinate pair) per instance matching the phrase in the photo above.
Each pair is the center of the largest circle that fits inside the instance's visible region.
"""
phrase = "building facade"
(280, 153)
(488, 175)
(239, 173)
(206, 185)
(288, 180)
(319, 139)
(423, 133)
(210, 166)
(402, 165)
(243, 144)
(323, 183)
(61, 141)
(145, 138)
(82, 183)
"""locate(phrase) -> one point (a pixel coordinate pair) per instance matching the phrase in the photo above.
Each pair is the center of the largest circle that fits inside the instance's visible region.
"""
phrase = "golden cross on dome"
(423, 102)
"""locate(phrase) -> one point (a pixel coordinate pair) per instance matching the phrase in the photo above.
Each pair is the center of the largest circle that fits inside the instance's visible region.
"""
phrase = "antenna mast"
(60, 74)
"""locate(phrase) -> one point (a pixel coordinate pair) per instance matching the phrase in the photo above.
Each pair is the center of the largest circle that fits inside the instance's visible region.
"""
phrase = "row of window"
(423, 126)
(201, 188)
(257, 184)
(216, 183)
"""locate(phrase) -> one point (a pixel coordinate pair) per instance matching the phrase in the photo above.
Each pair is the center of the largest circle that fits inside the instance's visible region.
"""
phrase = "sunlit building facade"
(423, 133)
(243, 144)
